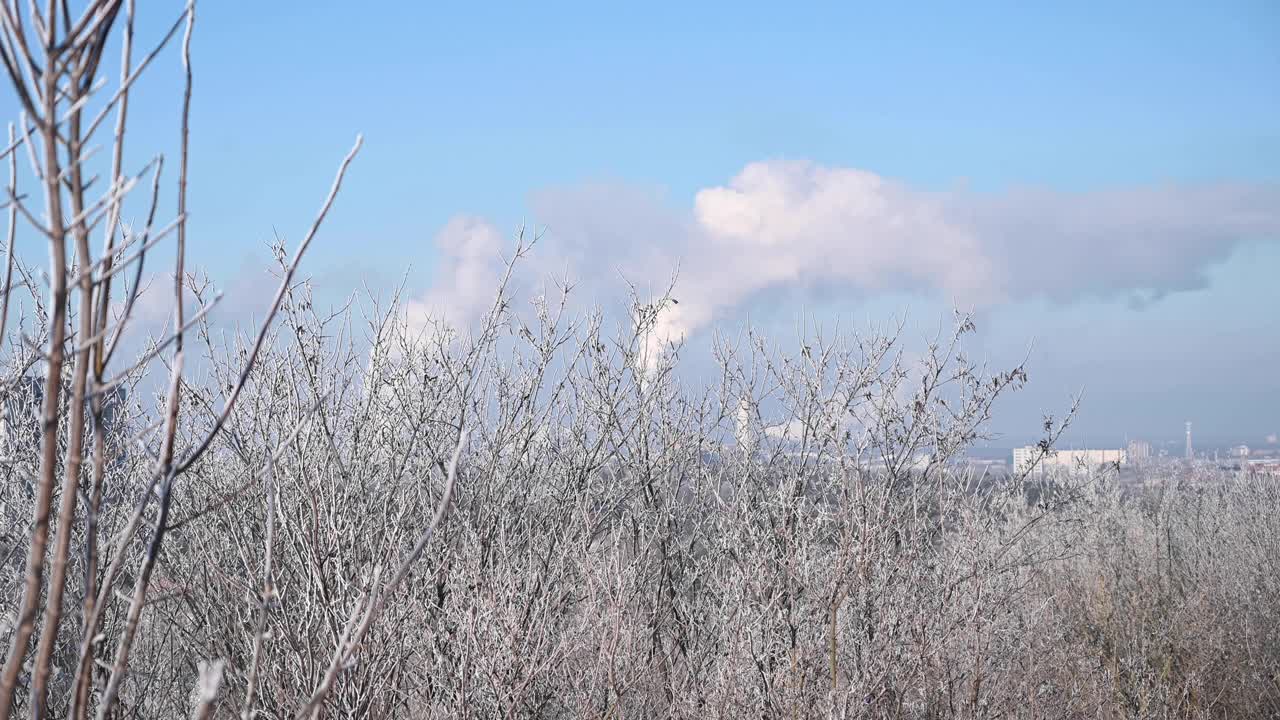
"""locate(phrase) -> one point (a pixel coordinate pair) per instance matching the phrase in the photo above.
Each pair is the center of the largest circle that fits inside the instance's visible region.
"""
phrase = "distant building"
(1025, 457)
(1269, 467)
(1139, 451)
(1240, 451)
(997, 467)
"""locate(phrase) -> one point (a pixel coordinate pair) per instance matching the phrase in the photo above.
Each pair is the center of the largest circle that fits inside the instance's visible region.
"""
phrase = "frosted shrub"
(362, 513)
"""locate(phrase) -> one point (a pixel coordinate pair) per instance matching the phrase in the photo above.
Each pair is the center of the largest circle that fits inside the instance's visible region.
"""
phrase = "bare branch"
(271, 313)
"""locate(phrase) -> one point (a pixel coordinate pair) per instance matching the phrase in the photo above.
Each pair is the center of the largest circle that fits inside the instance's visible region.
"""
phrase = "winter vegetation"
(353, 512)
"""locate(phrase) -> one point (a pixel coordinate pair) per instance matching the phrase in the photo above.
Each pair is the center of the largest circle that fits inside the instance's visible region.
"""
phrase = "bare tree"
(53, 63)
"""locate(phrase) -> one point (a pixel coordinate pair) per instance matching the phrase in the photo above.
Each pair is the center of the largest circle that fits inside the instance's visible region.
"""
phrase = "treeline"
(616, 544)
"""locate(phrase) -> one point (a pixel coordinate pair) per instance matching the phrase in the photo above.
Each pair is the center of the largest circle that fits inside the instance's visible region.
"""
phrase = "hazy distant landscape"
(817, 443)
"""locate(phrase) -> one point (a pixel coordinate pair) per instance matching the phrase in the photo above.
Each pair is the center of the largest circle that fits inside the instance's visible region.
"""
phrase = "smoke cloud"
(794, 224)
(468, 269)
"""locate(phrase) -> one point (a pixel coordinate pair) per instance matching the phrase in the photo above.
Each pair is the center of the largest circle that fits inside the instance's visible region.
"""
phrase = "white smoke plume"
(467, 272)
(792, 224)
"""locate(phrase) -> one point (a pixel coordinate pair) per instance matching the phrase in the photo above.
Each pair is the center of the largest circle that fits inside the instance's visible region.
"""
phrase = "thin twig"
(267, 598)
(12, 233)
(354, 634)
(271, 314)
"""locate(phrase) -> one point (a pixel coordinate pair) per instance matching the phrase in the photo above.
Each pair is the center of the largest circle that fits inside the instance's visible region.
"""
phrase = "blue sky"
(481, 109)
(469, 107)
